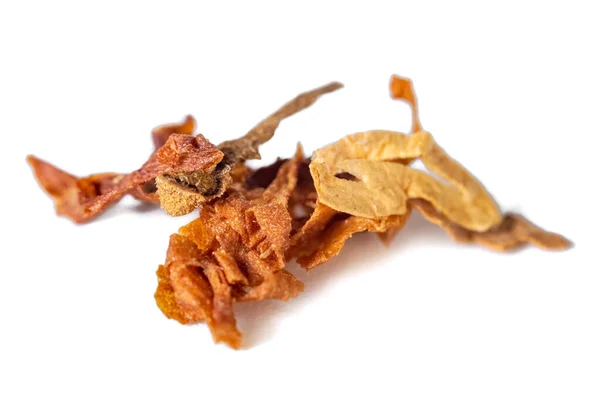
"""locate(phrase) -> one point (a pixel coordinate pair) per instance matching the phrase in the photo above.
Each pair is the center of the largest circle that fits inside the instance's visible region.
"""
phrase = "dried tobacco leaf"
(81, 199)
(222, 325)
(161, 133)
(180, 189)
(68, 191)
(402, 89)
(180, 250)
(235, 251)
(303, 199)
(252, 222)
(257, 232)
(381, 186)
(306, 240)
(331, 241)
(198, 289)
(246, 147)
(325, 233)
(512, 232)
(185, 193)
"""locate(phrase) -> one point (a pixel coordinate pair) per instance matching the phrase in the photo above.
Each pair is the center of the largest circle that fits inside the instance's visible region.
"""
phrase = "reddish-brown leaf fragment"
(268, 221)
(192, 292)
(81, 199)
(165, 299)
(145, 195)
(231, 269)
(193, 288)
(161, 133)
(332, 240)
(187, 191)
(222, 324)
(70, 192)
(182, 253)
(233, 251)
(180, 154)
(280, 285)
(305, 241)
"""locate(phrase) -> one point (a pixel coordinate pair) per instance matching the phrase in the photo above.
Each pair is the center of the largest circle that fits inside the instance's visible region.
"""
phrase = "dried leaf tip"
(402, 89)
(161, 133)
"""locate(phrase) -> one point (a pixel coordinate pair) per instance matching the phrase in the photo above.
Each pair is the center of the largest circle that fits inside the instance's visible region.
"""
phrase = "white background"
(510, 89)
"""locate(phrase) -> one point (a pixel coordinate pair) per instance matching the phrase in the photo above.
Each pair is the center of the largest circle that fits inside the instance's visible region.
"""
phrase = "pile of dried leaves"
(253, 222)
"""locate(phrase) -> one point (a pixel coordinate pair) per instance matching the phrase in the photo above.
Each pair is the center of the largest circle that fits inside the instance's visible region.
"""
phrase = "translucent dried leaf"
(512, 232)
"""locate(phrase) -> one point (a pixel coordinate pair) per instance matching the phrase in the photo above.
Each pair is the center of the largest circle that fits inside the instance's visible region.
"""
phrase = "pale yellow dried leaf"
(382, 182)
(384, 187)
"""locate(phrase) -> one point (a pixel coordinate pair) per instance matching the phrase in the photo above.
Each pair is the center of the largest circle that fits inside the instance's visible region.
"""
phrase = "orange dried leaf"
(402, 89)
(305, 241)
(165, 299)
(161, 133)
(198, 232)
(235, 250)
(199, 290)
(222, 324)
(330, 242)
(280, 285)
(231, 269)
(184, 253)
